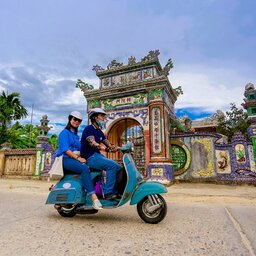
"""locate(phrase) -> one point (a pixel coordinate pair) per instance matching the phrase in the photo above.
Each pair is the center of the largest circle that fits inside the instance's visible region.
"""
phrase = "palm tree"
(11, 108)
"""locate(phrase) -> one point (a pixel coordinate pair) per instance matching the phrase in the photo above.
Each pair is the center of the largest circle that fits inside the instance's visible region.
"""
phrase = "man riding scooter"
(91, 145)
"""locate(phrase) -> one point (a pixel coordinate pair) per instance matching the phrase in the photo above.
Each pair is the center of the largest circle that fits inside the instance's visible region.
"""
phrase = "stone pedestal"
(162, 172)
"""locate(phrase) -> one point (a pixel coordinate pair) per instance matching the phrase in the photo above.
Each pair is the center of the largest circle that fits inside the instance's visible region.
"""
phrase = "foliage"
(3, 134)
(232, 121)
(22, 136)
(11, 108)
(53, 140)
(176, 124)
(17, 135)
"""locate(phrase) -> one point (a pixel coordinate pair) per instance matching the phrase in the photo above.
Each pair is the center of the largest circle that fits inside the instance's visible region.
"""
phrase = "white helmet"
(96, 111)
(77, 115)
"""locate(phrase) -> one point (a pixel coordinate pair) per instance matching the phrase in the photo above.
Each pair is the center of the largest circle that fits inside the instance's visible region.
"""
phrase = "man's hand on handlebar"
(112, 148)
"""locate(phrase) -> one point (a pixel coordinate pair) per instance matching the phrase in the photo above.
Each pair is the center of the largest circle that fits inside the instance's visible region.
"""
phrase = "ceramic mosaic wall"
(206, 168)
(180, 156)
(156, 94)
(135, 100)
(240, 153)
(141, 115)
(129, 77)
(251, 157)
(93, 104)
(169, 103)
(45, 157)
(223, 161)
(156, 131)
(212, 161)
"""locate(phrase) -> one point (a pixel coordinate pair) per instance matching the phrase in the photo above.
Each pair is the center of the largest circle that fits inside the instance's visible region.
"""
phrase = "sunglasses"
(77, 119)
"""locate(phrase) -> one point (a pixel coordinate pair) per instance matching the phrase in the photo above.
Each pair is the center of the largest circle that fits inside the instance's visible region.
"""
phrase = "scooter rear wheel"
(155, 216)
(67, 211)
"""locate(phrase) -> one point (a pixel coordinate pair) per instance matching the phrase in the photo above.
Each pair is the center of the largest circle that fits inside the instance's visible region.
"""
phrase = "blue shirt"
(67, 140)
(86, 149)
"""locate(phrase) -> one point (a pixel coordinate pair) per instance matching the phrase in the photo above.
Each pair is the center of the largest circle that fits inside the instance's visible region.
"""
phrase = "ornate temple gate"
(129, 130)
(139, 101)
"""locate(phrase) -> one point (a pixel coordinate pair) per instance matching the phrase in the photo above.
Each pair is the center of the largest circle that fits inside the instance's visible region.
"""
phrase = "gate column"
(159, 166)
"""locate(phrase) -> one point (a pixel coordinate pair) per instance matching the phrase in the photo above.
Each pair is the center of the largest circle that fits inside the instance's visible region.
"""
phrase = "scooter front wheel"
(149, 216)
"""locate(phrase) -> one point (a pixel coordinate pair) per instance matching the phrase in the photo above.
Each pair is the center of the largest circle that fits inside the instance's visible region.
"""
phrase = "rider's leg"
(98, 161)
(82, 169)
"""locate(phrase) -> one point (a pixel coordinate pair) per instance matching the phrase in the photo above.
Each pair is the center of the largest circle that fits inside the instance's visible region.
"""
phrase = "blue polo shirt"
(86, 149)
(67, 140)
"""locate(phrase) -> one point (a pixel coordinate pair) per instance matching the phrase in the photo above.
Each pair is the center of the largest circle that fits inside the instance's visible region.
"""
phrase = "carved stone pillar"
(159, 167)
(147, 146)
(2, 162)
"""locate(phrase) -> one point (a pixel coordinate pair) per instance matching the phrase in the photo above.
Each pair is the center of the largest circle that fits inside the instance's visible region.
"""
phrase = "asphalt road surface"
(202, 219)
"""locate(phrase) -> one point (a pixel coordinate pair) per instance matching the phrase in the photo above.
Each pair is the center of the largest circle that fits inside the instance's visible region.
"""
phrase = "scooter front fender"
(147, 188)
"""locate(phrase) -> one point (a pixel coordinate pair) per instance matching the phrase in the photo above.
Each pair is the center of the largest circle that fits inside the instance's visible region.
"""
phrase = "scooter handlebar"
(128, 147)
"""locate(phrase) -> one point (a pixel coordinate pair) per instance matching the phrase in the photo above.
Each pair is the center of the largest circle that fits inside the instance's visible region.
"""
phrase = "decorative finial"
(114, 64)
(178, 91)
(249, 87)
(132, 60)
(167, 67)
(97, 68)
(83, 86)
(152, 55)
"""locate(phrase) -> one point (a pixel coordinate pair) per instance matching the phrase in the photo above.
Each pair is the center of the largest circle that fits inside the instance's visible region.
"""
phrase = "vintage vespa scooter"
(70, 199)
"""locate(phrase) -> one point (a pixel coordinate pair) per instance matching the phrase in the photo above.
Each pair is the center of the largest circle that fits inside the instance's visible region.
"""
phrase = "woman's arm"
(74, 156)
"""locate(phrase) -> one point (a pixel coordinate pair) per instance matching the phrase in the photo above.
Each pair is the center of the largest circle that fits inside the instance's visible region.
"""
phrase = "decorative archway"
(138, 94)
(129, 130)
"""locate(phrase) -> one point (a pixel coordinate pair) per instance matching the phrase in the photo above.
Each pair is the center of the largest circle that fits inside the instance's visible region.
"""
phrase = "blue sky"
(45, 46)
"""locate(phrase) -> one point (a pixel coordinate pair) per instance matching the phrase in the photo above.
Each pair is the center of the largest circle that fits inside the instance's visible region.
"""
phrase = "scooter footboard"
(147, 188)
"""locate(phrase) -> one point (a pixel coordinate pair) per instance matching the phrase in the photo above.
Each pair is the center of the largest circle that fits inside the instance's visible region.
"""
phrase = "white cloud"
(49, 93)
(208, 89)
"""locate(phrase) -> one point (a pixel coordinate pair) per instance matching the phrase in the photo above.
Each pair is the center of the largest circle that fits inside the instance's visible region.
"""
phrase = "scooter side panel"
(132, 179)
(67, 191)
(147, 188)
(62, 196)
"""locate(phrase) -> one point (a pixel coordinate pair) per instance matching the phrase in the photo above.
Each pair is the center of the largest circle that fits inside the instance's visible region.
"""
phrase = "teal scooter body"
(70, 199)
(145, 189)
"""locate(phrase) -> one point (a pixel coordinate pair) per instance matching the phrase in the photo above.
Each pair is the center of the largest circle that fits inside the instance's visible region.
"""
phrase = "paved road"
(201, 220)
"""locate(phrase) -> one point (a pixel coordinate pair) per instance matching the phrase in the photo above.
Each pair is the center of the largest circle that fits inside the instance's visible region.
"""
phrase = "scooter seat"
(91, 170)
(94, 170)
(71, 175)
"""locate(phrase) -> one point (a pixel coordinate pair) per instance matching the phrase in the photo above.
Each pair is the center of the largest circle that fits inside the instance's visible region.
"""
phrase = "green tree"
(22, 136)
(53, 140)
(232, 121)
(11, 108)
(25, 136)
